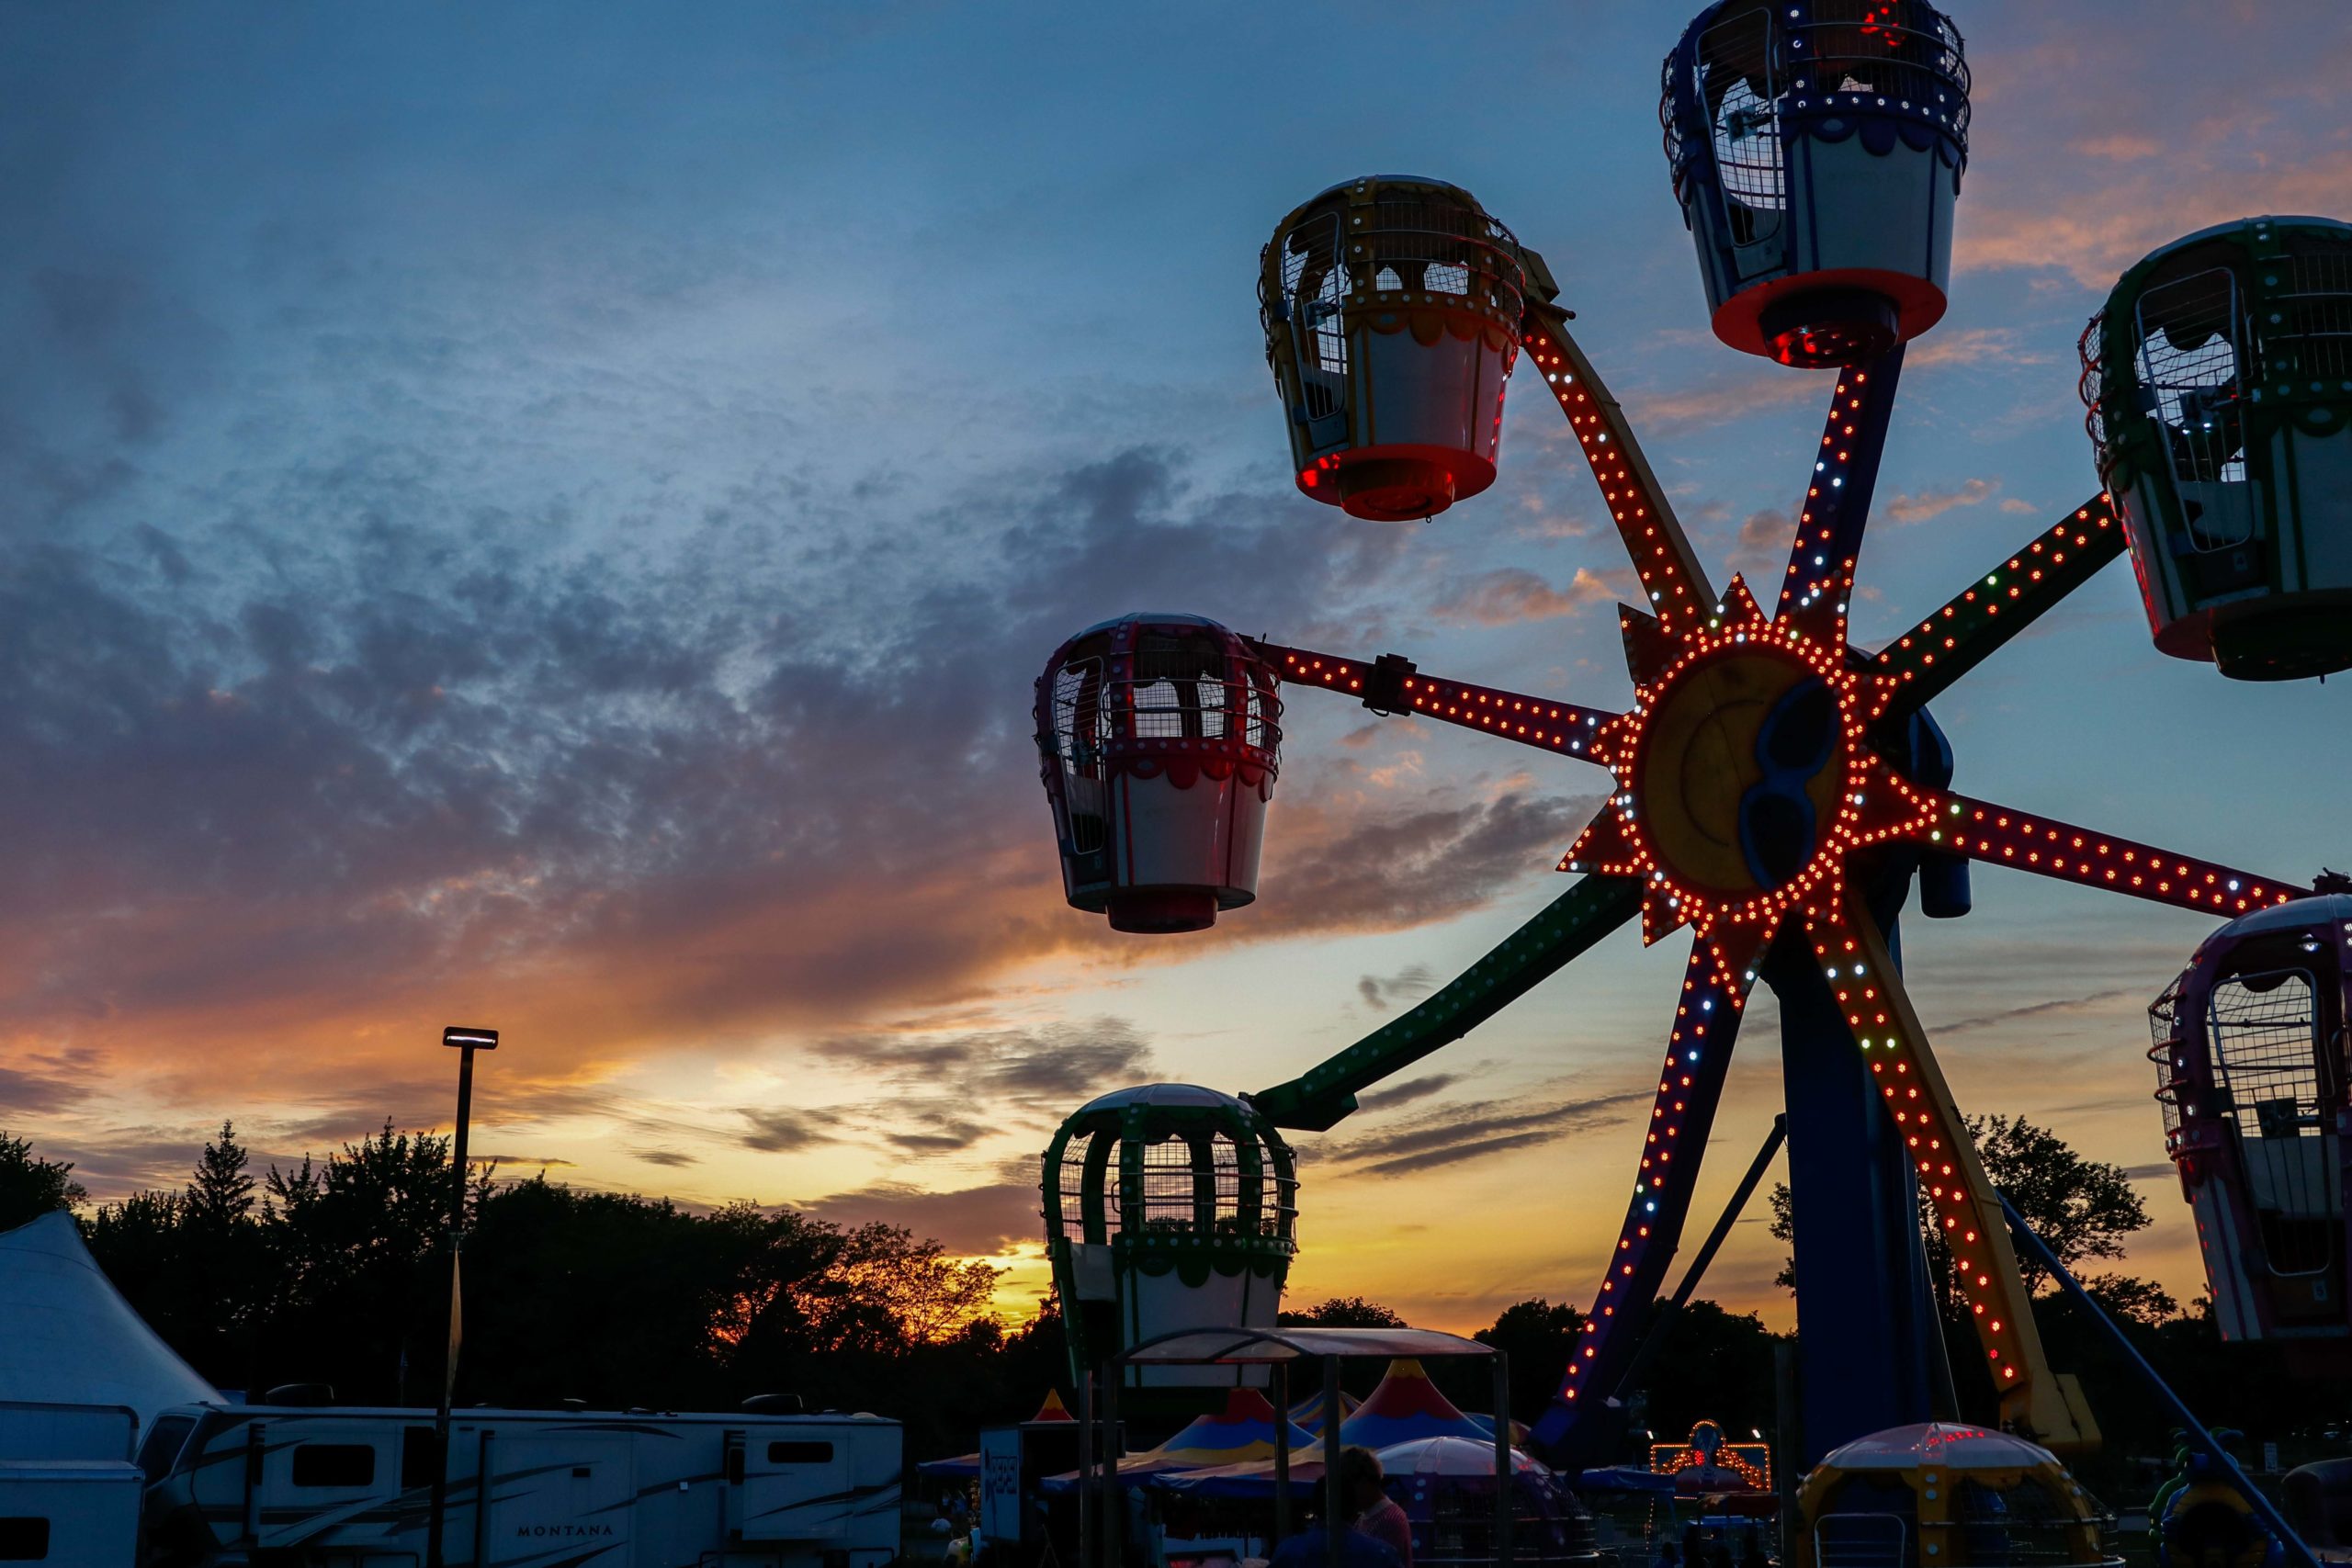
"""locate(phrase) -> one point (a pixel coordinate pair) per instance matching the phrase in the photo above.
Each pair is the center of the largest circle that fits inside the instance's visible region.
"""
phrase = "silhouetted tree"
(2082, 1208)
(1539, 1338)
(30, 1188)
(1342, 1312)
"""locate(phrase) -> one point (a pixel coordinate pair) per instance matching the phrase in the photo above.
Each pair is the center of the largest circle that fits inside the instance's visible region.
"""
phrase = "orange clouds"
(1512, 595)
(2099, 136)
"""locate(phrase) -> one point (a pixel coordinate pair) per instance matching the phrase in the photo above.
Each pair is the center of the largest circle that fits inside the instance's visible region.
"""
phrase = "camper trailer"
(69, 1493)
(310, 1486)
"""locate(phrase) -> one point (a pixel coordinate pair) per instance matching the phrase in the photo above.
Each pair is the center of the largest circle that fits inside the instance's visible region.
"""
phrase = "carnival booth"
(1817, 149)
(1734, 1478)
(1941, 1494)
(1159, 736)
(1392, 309)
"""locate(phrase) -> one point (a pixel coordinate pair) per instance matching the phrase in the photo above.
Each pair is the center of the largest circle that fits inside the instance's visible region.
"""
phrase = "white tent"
(68, 1337)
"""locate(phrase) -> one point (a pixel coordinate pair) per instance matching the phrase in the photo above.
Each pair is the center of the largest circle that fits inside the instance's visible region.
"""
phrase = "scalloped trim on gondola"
(1184, 770)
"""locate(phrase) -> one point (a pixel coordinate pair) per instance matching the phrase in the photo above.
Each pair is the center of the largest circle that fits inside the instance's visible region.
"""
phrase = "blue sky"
(547, 517)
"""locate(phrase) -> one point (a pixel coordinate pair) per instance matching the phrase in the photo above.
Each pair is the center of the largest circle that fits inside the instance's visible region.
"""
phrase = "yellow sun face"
(1744, 779)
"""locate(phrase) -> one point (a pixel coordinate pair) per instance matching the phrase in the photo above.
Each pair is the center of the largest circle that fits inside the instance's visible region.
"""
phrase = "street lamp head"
(471, 1039)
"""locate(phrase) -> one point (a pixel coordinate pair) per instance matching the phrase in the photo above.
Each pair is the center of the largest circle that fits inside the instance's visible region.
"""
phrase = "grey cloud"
(35, 1093)
(1408, 865)
(970, 1221)
(351, 765)
(1452, 1135)
(784, 1131)
(1406, 1092)
(2037, 1009)
(1455, 1154)
(1414, 980)
(1046, 1070)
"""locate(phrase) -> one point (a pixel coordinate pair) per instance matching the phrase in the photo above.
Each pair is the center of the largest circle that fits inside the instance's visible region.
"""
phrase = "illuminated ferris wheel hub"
(1740, 778)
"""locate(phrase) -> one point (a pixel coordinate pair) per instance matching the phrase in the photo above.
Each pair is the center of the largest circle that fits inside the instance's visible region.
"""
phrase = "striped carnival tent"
(1406, 1406)
(1410, 1467)
(966, 1467)
(1242, 1432)
(1307, 1413)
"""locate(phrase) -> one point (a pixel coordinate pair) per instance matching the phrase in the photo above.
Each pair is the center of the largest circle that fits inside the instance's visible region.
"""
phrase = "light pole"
(466, 1041)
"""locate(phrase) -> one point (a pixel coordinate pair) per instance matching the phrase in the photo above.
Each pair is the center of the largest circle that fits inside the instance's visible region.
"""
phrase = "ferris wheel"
(1772, 788)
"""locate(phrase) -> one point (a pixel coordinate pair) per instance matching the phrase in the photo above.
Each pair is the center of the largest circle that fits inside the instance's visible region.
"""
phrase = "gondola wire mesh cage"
(1741, 95)
(1407, 249)
(2267, 1086)
(1314, 288)
(1191, 1186)
(2202, 351)
(2194, 376)
(1431, 247)
(1177, 686)
(2313, 338)
(1903, 54)
(2165, 1050)
(2024, 1525)
(1753, 66)
(1071, 1191)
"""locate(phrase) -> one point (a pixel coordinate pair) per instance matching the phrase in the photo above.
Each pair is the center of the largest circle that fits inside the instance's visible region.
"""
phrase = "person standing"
(1361, 1485)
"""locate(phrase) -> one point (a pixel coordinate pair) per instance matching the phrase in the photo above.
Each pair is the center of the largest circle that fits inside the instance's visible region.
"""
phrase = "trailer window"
(418, 1453)
(162, 1445)
(334, 1464)
(24, 1539)
(800, 1453)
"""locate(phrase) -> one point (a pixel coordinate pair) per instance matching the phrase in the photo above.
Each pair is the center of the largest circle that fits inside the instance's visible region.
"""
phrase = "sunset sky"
(546, 516)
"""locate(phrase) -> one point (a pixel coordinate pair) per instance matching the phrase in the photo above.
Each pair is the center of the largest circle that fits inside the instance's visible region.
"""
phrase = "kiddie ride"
(1774, 787)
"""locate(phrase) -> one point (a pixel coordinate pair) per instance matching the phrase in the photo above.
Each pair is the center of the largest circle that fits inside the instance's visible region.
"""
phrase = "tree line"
(337, 1272)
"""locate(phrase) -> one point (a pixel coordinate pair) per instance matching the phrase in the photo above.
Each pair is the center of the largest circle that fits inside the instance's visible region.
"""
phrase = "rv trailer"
(69, 1493)
(310, 1486)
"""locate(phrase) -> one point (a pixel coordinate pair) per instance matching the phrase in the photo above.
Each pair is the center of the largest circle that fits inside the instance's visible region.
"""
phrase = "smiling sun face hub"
(1739, 763)
(1743, 777)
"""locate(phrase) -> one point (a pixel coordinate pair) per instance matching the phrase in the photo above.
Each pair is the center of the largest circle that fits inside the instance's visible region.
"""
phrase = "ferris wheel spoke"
(1674, 583)
(1706, 1025)
(1588, 911)
(1819, 583)
(1394, 685)
(2047, 847)
(1997, 605)
(1964, 1205)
